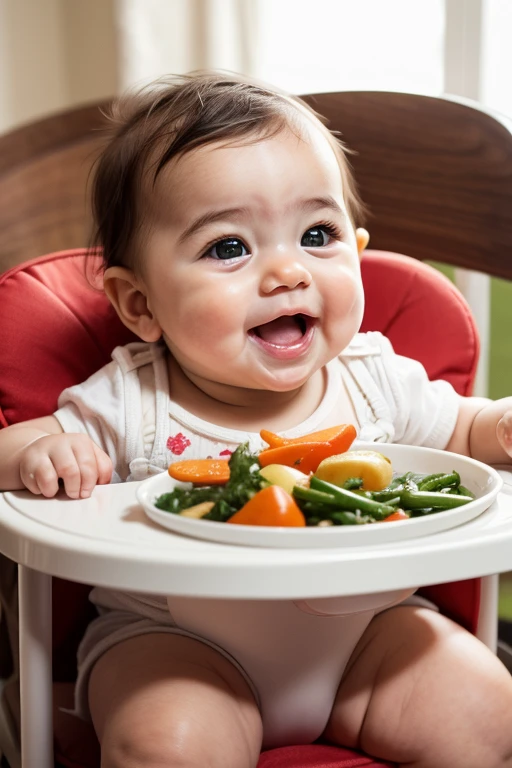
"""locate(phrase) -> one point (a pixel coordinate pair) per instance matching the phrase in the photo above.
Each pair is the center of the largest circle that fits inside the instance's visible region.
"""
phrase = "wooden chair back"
(434, 173)
(44, 168)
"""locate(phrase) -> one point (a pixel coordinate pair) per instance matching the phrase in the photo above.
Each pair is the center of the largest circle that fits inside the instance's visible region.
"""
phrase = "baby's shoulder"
(137, 354)
(367, 345)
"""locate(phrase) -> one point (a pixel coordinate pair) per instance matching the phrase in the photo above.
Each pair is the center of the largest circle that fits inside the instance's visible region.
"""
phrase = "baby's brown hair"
(171, 117)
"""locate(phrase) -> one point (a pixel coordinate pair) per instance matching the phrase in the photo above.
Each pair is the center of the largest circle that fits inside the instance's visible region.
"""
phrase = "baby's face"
(251, 265)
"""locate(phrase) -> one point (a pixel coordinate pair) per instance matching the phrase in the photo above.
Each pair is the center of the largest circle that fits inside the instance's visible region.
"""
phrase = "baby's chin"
(285, 382)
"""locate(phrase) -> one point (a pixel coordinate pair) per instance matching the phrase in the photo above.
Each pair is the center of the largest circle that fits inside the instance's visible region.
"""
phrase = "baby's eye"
(228, 248)
(315, 237)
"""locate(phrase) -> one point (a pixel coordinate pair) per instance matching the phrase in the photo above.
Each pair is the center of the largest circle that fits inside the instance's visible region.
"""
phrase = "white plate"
(484, 481)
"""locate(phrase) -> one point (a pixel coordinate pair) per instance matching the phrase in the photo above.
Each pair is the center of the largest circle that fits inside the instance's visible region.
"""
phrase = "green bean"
(313, 496)
(438, 481)
(350, 501)
(346, 518)
(465, 491)
(386, 496)
(427, 499)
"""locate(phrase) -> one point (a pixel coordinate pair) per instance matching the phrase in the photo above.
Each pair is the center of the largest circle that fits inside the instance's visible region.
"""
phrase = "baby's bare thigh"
(162, 699)
(421, 691)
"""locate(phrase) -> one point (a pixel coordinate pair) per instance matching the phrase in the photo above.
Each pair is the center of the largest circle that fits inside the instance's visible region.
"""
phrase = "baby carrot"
(204, 471)
(303, 456)
(322, 436)
(273, 440)
(305, 453)
(270, 506)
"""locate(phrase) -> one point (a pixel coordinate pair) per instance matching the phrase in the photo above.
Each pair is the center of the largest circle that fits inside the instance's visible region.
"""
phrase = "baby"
(227, 216)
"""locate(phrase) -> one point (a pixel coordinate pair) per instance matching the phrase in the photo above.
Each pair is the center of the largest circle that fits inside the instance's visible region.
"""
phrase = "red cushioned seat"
(57, 328)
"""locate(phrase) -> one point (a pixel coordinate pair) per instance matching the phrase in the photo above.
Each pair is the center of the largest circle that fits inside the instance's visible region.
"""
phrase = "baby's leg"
(422, 692)
(166, 700)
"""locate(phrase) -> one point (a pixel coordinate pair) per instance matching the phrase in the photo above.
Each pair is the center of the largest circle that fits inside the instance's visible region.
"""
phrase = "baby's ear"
(362, 239)
(128, 297)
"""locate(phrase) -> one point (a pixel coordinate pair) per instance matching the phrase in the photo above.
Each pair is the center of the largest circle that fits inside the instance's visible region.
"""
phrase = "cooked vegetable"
(398, 515)
(286, 477)
(322, 436)
(306, 455)
(431, 500)
(205, 471)
(303, 456)
(273, 440)
(350, 501)
(312, 480)
(270, 506)
(313, 496)
(244, 481)
(198, 510)
(373, 468)
(184, 498)
(438, 481)
(353, 483)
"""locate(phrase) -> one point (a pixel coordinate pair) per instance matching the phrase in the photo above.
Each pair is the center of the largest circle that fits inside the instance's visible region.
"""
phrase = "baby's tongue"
(283, 331)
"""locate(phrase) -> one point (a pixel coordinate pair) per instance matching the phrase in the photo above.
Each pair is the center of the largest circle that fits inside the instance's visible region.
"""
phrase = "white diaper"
(292, 654)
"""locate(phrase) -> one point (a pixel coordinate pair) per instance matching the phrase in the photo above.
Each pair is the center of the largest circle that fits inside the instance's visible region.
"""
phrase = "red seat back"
(57, 328)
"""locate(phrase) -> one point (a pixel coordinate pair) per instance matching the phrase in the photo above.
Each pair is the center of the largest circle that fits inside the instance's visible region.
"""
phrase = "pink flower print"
(226, 452)
(177, 443)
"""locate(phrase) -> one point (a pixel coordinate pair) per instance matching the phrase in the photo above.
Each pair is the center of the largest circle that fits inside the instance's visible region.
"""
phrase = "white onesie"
(292, 654)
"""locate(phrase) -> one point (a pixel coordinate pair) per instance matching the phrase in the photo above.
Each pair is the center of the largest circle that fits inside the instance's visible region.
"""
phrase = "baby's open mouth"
(284, 331)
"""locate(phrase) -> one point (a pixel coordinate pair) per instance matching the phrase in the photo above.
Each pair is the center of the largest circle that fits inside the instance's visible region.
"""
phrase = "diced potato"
(285, 477)
(373, 468)
(198, 510)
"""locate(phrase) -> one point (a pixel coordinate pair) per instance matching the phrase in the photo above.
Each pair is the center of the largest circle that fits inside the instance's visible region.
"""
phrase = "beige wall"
(54, 54)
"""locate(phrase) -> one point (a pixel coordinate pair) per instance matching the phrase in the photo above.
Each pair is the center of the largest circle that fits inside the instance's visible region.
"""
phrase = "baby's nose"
(285, 270)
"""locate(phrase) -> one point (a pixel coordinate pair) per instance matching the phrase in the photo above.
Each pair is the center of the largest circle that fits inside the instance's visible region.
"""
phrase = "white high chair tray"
(109, 540)
(482, 480)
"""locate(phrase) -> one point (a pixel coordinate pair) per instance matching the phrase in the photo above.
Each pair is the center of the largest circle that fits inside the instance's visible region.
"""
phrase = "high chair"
(56, 329)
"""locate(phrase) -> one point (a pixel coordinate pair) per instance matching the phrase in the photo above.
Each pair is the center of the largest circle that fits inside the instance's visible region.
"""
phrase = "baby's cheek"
(208, 324)
(345, 298)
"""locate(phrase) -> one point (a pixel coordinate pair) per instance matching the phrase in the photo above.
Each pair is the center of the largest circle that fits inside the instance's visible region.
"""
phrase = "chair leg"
(487, 630)
(35, 603)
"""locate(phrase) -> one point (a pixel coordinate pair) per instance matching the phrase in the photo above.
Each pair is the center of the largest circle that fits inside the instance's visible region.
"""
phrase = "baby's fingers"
(41, 478)
(85, 453)
(504, 432)
(104, 465)
(69, 469)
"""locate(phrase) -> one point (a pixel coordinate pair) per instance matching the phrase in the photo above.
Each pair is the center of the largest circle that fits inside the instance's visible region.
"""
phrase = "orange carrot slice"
(301, 456)
(307, 455)
(322, 436)
(204, 471)
(270, 506)
(273, 440)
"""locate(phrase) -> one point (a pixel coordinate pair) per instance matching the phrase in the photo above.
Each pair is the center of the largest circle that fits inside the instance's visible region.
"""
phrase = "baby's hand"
(504, 432)
(74, 458)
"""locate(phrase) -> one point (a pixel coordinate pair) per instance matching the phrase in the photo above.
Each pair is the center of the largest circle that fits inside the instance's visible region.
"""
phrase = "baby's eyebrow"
(210, 217)
(315, 203)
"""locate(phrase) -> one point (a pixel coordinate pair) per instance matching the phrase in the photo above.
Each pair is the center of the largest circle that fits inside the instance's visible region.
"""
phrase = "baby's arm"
(484, 430)
(36, 454)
